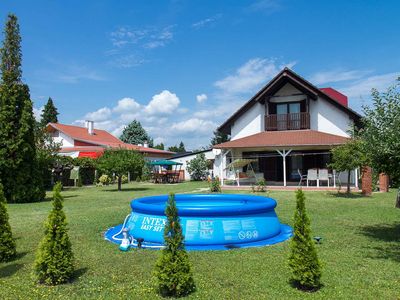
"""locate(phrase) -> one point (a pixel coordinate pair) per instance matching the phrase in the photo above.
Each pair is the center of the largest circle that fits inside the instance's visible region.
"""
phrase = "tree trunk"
(119, 183)
(398, 199)
(348, 181)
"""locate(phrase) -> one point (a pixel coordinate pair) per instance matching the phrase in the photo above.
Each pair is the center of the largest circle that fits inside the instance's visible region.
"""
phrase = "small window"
(55, 133)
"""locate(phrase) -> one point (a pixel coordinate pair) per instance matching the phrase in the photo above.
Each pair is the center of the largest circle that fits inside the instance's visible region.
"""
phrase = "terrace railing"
(293, 121)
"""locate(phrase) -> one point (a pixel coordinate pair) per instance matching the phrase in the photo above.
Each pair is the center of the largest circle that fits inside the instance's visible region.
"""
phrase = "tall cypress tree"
(7, 243)
(173, 268)
(54, 263)
(18, 163)
(49, 114)
(303, 259)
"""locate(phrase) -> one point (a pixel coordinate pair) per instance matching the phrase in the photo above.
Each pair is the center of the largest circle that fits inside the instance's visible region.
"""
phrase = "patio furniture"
(302, 177)
(312, 175)
(168, 176)
(247, 177)
(323, 176)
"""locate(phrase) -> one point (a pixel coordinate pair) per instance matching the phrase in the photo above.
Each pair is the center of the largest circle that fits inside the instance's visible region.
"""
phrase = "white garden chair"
(323, 175)
(312, 175)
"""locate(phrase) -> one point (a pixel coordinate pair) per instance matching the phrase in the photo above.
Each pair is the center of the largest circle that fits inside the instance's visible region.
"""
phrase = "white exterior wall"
(65, 140)
(326, 117)
(251, 122)
(186, 159)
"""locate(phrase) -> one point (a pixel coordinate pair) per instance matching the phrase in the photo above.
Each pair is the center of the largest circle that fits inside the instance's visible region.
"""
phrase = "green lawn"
(360, 250)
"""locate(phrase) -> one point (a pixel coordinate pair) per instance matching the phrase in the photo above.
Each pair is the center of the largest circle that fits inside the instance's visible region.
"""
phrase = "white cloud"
(127, 105)
(163, 103)
(207, 21)
(150, 37)
(201, 98)
(250, 76)
(37, 113)
(128, 61)
(101, 114)
(337, 76)
(194, 125)
(267, 6)
(363, 87)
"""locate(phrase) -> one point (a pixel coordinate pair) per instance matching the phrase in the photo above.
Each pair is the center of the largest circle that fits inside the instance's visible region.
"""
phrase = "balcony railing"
(294, 121)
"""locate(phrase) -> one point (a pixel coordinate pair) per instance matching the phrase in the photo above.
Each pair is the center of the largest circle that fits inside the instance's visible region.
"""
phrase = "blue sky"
(182, 67)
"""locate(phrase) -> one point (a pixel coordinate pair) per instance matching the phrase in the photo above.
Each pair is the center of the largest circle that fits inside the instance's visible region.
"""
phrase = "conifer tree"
(18, 163)
(54, 257)
(49, 114)
(173, 268)
(135, 134)
(303, 260)
(7, 243)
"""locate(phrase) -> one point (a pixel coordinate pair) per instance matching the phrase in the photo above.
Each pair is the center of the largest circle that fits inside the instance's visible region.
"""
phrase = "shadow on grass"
(78, 274)
(137, 189)
(10, 270)
(389, 235)
(346, 195)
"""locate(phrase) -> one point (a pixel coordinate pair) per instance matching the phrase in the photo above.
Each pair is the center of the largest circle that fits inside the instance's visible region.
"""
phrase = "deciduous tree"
(118, 162)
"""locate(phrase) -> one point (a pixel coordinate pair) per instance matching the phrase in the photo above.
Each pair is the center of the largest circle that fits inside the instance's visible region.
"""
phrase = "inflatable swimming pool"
(209, 221)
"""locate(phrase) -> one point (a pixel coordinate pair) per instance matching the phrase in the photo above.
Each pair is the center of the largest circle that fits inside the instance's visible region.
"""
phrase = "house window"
(55, 134)
(287, 116)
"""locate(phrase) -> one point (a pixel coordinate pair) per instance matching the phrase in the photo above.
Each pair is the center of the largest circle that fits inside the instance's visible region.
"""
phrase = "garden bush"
(303, 259)
(54, 258)
(197, 167)
(173, 268)
(105, 179)
(215, 185)
(260, 186)
(7, 242)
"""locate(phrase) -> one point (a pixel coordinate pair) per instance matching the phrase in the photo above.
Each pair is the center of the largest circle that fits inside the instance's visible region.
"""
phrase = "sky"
(183, 67)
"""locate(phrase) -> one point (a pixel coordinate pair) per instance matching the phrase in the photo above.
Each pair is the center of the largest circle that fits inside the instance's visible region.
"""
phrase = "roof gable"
(276, 84)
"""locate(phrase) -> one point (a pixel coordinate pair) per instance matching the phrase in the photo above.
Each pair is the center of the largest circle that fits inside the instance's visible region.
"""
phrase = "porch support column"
(356, 178)
(284, 153)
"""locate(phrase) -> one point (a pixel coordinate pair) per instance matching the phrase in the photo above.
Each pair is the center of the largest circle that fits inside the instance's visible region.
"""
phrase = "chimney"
(90, 127)
(146, 144)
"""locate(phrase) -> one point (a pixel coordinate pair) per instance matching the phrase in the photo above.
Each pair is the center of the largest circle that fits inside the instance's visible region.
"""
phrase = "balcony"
(293, 121)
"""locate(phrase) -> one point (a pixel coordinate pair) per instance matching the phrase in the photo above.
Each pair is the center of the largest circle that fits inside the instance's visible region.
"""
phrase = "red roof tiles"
(285, 139)
(100, 138)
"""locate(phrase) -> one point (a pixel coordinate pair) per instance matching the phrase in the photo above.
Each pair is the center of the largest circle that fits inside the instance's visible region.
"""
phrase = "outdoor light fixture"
(139, 242)
(318, 239)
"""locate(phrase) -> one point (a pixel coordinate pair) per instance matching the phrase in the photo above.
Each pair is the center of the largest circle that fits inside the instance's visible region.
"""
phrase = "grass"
(360, 250)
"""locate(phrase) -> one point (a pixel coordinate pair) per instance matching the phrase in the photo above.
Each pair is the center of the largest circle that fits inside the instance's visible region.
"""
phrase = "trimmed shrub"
(173, 268)
(198, 167)
(54, 258)
(7, 243)
(105, 179)
(260, 186)
(215, 185)
(303, 260)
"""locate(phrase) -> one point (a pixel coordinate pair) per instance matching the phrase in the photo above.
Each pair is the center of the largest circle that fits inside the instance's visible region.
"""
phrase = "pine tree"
(49, 114)
(181, 147)
(7, 243)
(219, 138)
(303, 260)
(18, 163)
(54, 257)
(135, 134)
(173, 268)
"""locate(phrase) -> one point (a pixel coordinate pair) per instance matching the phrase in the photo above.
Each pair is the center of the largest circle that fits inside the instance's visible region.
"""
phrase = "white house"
(284, 134)
(185, 158)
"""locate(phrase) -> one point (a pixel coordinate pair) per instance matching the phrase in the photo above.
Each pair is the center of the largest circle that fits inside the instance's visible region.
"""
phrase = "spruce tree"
(49, 114)
(173, 268)
(135, 134)
(54, 257)
(303, 260)
(18, 163)
(7, 243)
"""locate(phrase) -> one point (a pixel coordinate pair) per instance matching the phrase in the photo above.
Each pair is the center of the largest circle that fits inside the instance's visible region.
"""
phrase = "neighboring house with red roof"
(87, 141)
(285, 130)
